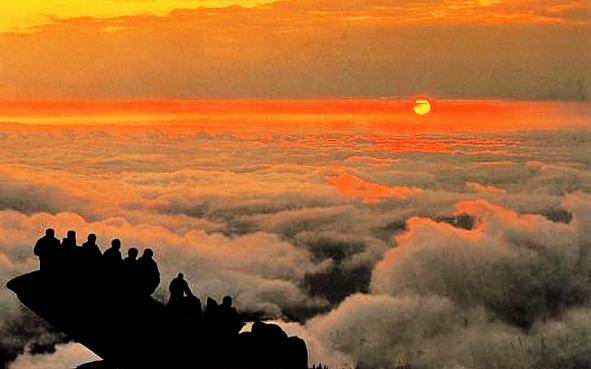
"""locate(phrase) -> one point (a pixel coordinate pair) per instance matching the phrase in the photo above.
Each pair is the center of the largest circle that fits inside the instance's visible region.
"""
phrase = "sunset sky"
(508, 49)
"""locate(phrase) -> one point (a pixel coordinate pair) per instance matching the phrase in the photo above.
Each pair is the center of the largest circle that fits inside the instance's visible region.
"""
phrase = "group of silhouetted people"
(182, 299)
(139, 276)
(224, 319)
(132, 275)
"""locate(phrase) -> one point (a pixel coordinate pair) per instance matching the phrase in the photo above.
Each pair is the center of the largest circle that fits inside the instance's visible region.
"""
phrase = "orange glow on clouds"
(369, 192)
(480, 188)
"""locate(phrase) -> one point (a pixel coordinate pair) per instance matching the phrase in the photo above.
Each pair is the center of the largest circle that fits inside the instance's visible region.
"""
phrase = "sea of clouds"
(438, 251)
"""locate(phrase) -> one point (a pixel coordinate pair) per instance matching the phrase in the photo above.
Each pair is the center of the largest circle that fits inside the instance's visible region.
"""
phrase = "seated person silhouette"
(148, 274)
(179, 288)
(48, 248)
(230, 322)
(91, 249)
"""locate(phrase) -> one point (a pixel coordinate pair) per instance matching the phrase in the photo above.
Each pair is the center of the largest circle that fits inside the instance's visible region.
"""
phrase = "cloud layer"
(459, 249)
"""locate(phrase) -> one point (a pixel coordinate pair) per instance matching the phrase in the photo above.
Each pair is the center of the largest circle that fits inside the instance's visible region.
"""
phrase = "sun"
(422, 106)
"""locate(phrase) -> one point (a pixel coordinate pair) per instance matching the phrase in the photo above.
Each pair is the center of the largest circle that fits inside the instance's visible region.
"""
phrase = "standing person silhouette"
(72, 253)
(112, 264)
(91, 250)
(48, 248)
(70, 240)
(129, 271)
(91, 258)
(131, 259)
(112, 256)
(148, 273)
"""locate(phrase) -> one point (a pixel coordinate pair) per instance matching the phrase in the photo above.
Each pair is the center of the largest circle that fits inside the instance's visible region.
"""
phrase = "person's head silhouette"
(72, 235)
(227, 301)
(148, 253)
(116, 244)
(132, 253)
(181, 276)
(92, 238)
(49, 232)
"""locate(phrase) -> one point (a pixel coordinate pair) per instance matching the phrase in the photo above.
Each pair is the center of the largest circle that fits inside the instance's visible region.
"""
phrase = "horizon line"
(99, 100)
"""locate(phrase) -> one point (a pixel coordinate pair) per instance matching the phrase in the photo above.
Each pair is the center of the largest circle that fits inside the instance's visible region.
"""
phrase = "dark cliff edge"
(132, 332)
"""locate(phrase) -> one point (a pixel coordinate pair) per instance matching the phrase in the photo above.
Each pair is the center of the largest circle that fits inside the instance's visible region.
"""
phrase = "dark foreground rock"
(136, 332)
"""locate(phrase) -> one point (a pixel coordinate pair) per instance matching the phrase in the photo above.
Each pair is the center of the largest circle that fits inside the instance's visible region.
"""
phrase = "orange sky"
(519, 49)
(26, 15)
(306, 116)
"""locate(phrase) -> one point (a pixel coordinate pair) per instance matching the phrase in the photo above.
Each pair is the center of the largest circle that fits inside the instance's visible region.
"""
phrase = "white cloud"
(66, 356)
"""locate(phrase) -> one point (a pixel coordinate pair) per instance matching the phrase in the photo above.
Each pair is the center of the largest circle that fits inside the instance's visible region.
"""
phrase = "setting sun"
(422, 106)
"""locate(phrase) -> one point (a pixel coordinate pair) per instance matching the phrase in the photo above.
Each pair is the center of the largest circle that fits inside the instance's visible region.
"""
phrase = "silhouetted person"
(211, 308)
(192, 307)
(90, 260)
(148, 274)
(130, 261)
(70, 240)
(112, 256)
(211, 315)
(91, 249)
(112, 263)
(179, 288)
(229, 320)
(48, 249)
(129, 271)
(72, 254)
